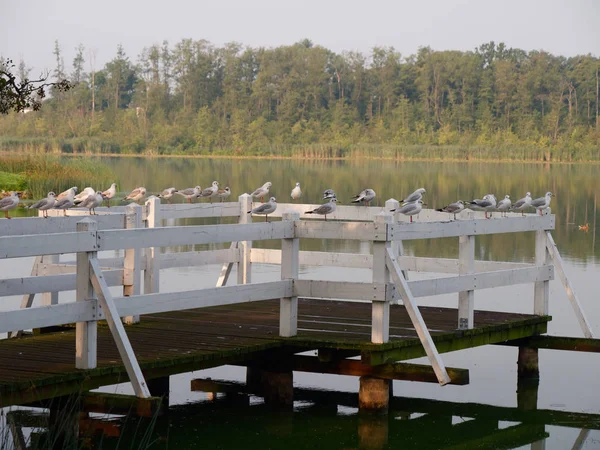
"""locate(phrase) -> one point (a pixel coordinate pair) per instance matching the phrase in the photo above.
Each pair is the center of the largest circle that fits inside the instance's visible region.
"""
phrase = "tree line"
(197, 98)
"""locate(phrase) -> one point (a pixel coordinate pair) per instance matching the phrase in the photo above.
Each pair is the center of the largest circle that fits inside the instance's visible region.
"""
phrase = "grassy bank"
(503, 152)
(43, 173)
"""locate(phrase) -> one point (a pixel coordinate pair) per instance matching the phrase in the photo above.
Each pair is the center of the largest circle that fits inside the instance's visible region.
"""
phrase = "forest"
(195, 98)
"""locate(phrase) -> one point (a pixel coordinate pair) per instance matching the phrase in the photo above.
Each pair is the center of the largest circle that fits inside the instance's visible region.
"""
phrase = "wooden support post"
(131, 263)
(397, 246)
(528, 378)
(226, 269)
(86, 333)
(373, 432)
(466, 265)
(118, 331)
(27, 300)
(541, 295)
(244, 267)
(380, 310)
(50, 298)
(159, 387)
(288, 309)
(374, 394)
(278, 388)
(528, 363)
(152, 272)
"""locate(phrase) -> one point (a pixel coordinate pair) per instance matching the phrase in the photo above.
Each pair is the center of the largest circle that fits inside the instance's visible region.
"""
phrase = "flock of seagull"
(411, 205)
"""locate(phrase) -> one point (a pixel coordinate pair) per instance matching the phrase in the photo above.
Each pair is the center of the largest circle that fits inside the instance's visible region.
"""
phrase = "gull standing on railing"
(328, 193)
(504, 205)
(266, 208)
(45, 204)
(84, 194)
(137, 194)
(487, 203)
(522, 204)
(224, 193)
(93, 201)
(211, 192)
(8, 203)
(453, 208)
(325, 208)
(167, 194)
(190, 193)
(67, 193)
(110, 193)
(296, 192)
(262, 191)
(410, 209)
(542, 203)
(364, 197)
(66, 202)
(417, 195)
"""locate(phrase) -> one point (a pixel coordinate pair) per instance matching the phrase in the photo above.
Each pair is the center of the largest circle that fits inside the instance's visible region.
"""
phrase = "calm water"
(568, 380)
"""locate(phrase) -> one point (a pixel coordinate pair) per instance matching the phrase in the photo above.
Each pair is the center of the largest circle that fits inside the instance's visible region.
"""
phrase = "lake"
(568, 380)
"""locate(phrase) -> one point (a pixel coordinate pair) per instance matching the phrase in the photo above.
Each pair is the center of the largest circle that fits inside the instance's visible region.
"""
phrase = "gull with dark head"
(296, 192)
(410, 209)
(522, 204)
(137, 194)
(453, 208)
(110, 193)
(417, 195)
(365, 197)
(224, 193)
(265, 208)
(328, 193)
(190, 193)
(542, 203)
(210, 192)
(9, 203)
(325, 208)
(45, 204)
(167, 194)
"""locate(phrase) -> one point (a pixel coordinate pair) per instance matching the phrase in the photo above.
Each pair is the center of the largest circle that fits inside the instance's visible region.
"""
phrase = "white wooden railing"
(121, 229)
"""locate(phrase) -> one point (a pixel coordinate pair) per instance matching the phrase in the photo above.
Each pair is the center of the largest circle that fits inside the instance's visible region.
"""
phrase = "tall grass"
(51, 173)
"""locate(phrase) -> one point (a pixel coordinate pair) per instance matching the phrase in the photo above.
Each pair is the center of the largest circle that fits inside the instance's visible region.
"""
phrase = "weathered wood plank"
(541, 289)
(466, 265)
(19, 226)
(380, 310)
(573, 344)
(152, 254)
(228, 257)
(344, 290)
(39, 244)
(132, 274)
(358, 231)
(199, 210)
(48, 316)
(288, 309)
(244, 266)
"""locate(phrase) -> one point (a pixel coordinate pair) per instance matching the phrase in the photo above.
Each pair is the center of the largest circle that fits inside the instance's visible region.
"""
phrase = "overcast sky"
(28, 28)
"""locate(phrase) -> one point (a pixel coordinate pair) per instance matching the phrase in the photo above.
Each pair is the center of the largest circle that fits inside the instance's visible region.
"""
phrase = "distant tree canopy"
(194, 97)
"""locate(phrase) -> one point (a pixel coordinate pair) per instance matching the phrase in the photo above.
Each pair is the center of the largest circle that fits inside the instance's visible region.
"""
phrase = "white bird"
(66, 193)
(488, 203)
(211, 192)
(296, 192)
(167, 194)
(84, 194)
(522, 204)
(365, 197)
(411, 209)
(224, 193)
(92, 202)
(504, 205)
(325, 208)
(45, 204)
(262, 191)
(8, 203)
(542, 203)
(65, 202)
(110, 193)
(136, 195)
(190, 193)
(417, 195)
(266, 208)
(453, 208)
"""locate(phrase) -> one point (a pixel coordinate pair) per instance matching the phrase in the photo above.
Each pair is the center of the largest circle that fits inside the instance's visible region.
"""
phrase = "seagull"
(328, 193)
(364, 197)
(211, 191)
(521, 205)
(66, 193)
(410, 209)
(168, 193)
(266, 208)
(296, 192)
(110, 193)
(542, 203)
(486, 204)
(45, 204)
(325, 208)
(262, 191)
(417, 195)
(84, 194)
(190, 193)
(8, 203)
(453, 208)
(504, 205)
(136, 195)
(93, 201)
(65, 202)
(224, 193)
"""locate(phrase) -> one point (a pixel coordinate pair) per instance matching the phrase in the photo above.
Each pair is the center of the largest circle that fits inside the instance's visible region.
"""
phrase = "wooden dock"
(143, 337)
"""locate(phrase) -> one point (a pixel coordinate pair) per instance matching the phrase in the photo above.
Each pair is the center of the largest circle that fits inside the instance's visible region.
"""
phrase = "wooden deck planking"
(205, 337)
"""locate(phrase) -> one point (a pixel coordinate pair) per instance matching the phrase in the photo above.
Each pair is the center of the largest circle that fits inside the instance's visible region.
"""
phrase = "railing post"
(131, 264)
(290, 254)
(466, 265)
(380, 310)
(86, 333)
(541, 290)
(397, 246)
(244, 267)
(152, 270)
(49, 298)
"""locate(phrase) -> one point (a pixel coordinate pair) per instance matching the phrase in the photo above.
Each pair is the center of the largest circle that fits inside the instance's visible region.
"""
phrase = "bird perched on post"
(522, 204)
(262, 191)
(137, 194)
(504, 205)
(417, 195)
(542, 203)
(66, 202)
(325, 208)
(167, 194)
(365, 197)
(93, 201)
(210, 192)
(84, 194)
(453, 208)
(190, 193)
(67, 192)
(8, 203)
(266, 208)
(410, 209)
(296, 192)
(45, 204)
(224, 193)
(110, 193)
(487, 203)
